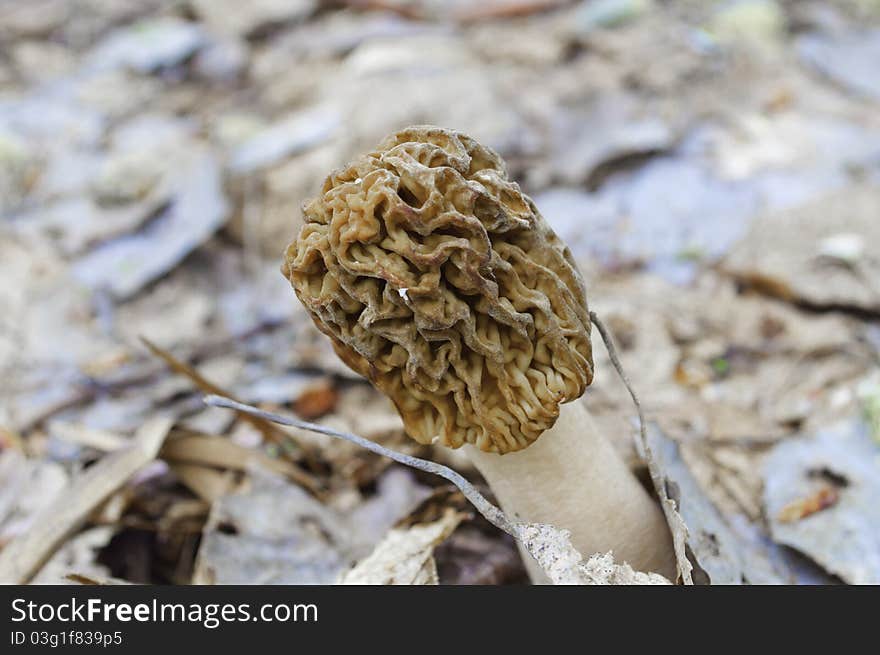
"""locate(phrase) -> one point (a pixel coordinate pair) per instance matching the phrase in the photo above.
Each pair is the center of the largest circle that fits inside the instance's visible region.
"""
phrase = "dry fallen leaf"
(103, 440)
(77, 554)
(206, 483)
(405, 556)
(220, 452)
(843, 538)
(564, 565)
(125, 265)
(25, 555)
(26, 487)
(786, 254)
(271, 531)
(717, 553)
(316, 401)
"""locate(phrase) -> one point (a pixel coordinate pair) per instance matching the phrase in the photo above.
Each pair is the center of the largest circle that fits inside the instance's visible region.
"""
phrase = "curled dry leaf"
(405, 556)
(564, 565)
(206, 483)
(103, 440)
(220, 452)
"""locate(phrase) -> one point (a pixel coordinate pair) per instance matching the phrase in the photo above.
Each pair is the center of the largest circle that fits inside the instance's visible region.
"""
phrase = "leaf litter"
(715, 177)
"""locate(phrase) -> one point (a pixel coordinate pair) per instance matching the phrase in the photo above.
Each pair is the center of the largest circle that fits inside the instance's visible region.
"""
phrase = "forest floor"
(714, 166)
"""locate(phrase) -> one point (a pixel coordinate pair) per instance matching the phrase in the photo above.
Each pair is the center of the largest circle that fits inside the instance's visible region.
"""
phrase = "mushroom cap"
(439, 280)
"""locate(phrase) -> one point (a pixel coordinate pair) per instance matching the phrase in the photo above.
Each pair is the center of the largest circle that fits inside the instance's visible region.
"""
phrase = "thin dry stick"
(492, 514)
(615, 361)
(266, 429)
(668, 506)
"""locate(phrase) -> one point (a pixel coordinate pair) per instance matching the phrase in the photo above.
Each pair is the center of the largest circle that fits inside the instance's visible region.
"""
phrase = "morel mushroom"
(437, 279)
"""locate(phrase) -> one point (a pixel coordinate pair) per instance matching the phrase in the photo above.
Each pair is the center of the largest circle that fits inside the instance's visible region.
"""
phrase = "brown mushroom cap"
(440, 281)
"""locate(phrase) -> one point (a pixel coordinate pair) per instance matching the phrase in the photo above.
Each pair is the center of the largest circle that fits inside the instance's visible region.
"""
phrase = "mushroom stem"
(573, 478)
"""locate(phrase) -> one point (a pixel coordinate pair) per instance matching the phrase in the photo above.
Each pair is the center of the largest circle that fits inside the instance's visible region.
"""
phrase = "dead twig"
(615, 362)
(669, 508)
(265, 428)
(492, 514)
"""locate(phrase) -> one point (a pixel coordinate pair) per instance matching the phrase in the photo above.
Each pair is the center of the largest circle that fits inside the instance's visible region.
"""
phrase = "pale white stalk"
(572, 478)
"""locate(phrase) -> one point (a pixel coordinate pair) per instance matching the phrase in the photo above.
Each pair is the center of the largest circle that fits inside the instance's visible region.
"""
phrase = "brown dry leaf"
(719, 422)
(10, 440)
(751, 321)
(405, 556)
(25, 555)
(640, 311)
(316, 401)
(500, 9)
(802, 508)
(738, 471)
(82, 579)
(729, 476)
(111, 511)
(181, 512)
